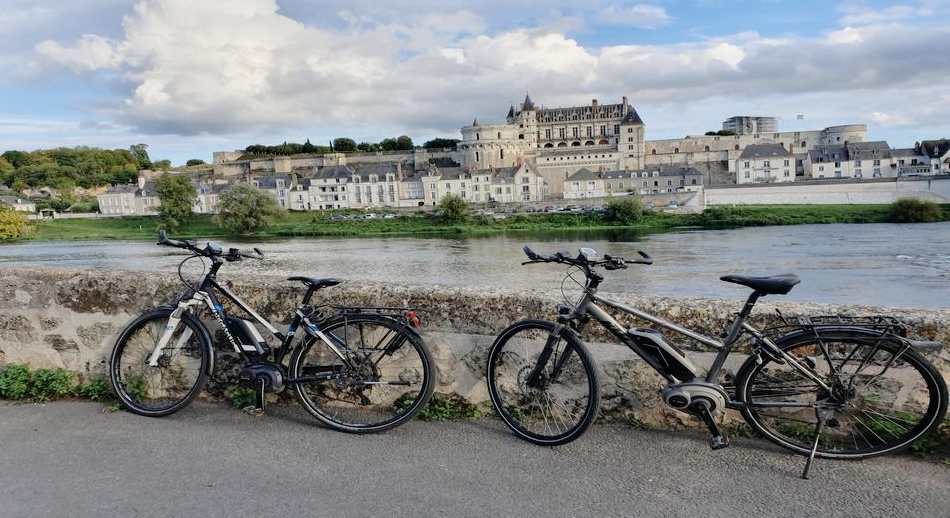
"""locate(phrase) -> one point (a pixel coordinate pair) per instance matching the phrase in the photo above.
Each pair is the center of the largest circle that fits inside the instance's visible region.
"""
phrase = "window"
(499, 135)
(477, 159)
(547, 134)
(561, 132)
(590, 131)
(603, 130)
(746, 164)
(676, 150)
(737, 147)
(706, 148)
(746, 174)
(478, 136)
(786, 163)
(877, 162)
(501, 154)
(616, 129)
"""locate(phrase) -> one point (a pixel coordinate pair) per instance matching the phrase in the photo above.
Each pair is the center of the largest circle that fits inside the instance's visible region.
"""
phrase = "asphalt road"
(73, 459)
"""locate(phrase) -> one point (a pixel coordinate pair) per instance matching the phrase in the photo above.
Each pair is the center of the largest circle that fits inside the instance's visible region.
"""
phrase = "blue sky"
(189, 78)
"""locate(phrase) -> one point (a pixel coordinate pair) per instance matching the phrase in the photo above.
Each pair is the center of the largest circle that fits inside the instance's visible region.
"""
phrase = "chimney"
(593, 103)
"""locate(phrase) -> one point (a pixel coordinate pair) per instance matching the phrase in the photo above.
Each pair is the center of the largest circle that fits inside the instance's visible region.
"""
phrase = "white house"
(18, 203)
(765, 163)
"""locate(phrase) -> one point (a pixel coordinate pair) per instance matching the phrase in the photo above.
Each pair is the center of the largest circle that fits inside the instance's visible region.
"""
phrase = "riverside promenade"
(75, 459)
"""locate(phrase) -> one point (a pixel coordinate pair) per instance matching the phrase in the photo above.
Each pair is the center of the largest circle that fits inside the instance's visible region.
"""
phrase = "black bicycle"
(831, 386)
(355, 369)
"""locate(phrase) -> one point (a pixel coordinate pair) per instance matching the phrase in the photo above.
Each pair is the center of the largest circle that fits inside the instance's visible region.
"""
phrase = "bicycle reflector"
(413, 318)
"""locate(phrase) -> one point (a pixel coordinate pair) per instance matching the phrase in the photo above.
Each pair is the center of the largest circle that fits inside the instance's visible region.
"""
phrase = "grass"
(318, 224)
(20, 383)
(442, 407)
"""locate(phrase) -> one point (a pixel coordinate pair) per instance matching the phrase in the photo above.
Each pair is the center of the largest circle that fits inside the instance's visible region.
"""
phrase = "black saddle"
(314, 283)
(771, 285)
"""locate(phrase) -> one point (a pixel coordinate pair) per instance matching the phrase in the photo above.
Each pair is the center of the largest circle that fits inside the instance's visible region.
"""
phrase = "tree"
(404, 143)
(438, 143)
(162, 165)
(13, 224)
(140, 153)
(626, 210)
(244, 208)
(344, 145)
(388, 144)
(195, 161)
(177, 196)
(308, 147)
(453, 209)
(913, 210)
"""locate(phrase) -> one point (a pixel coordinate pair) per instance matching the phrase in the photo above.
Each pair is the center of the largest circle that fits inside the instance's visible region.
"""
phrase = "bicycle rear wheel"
(884, 395)
(182, 369)
(388, 379)
(562, 404)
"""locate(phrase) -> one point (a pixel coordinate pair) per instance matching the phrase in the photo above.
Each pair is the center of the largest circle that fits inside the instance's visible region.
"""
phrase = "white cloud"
(644, 16)
(219, 67)
(91, 52)
(860, 14)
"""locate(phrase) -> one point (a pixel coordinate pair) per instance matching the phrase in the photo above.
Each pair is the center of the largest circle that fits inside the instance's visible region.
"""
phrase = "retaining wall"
(832, 192)
(70, 318)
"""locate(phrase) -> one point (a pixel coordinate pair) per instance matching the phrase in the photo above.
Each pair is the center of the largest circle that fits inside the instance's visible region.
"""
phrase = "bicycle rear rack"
(405, 315)
(884, 324)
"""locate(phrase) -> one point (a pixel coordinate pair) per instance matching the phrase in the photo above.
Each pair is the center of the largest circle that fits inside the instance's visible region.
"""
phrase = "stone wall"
(70, 318)
(833, 192)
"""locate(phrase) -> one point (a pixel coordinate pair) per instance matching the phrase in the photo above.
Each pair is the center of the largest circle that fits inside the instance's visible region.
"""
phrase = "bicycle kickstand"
(814, 446)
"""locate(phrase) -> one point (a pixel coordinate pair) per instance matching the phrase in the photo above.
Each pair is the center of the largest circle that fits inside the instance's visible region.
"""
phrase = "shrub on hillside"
(244, 209)
(626, 210)
(453, 209)
(13, 224)
(912, 210)
(177, 196)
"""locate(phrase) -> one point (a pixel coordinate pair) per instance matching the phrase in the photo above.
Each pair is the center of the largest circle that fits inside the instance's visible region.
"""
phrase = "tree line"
(346, 145)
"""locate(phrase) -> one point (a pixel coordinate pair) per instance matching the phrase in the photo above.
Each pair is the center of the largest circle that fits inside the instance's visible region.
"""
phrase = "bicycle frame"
(205, 295)
(669, 361)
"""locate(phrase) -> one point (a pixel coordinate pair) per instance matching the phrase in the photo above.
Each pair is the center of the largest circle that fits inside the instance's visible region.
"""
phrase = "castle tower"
(630, 141)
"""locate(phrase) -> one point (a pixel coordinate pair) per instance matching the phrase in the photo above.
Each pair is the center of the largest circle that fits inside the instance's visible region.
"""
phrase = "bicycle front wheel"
(179, 374)
(557, 406)
(883, 395)
(387, 378)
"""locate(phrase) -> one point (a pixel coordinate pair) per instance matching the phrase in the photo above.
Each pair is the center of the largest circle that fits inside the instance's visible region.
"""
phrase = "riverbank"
(317, 224)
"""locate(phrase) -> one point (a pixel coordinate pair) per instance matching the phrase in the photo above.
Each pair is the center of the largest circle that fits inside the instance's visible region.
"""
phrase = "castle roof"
(935, 148)
(528, 104)
(632, 117)
(868, 150)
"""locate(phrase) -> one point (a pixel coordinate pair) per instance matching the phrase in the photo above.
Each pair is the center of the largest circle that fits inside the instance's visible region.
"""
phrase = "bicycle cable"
(181, 274)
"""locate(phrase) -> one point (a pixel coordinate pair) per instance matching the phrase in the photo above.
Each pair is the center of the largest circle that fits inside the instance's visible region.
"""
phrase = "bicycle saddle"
(313, 282)
(771, 285)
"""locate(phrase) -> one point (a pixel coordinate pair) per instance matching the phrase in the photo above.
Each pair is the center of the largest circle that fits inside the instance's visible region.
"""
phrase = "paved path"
(72, 459)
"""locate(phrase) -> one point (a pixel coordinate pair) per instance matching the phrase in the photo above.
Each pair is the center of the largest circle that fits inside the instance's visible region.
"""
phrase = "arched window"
(603, 142)
(589, 143)
(478, 136)
(562, 144)
(575, 143)
(706, 148)
(653, 152)
(676, 150)
(499, 134)
(549, 145)
(737, 147)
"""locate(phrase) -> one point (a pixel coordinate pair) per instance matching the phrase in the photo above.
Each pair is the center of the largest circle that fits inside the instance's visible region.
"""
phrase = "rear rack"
(884, 324)
(406, 315)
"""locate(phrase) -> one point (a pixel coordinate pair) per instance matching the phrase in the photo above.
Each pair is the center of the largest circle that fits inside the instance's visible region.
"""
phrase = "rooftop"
(754, 151)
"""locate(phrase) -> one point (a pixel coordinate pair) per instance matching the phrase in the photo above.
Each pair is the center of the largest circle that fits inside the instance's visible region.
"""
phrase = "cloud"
(219, 67)
(860, 14)
(643, 16)
(90, 53)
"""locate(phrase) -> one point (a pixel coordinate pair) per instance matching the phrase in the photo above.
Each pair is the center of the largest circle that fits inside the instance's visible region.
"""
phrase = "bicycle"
(354, 369)
(830, 386)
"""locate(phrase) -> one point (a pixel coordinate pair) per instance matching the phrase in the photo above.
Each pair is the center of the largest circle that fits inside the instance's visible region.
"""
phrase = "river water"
(879, 264)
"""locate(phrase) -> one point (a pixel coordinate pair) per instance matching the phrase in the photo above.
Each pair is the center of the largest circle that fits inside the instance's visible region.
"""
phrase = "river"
(879, 264)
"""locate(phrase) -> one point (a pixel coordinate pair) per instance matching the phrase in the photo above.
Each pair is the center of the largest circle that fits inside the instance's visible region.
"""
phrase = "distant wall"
(831, 192)
(70, 319)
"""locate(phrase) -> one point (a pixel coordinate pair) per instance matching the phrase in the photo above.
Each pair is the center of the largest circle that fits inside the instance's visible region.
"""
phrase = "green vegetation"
(442, 407)
(626, 211)
(440, 143)
(19, 382)
(453, 209)
(339, 145)
(13, 224)
(912, 210)
(245, 209)
(721, 133)
(317, 224)
(67, 168)
(241, 397)
(177, 196)
(195, 161)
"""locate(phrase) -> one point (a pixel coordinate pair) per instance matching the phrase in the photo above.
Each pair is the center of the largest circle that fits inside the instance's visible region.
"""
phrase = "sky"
(191, 77)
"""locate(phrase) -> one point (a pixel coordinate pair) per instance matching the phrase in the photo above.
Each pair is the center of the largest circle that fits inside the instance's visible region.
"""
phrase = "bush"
(245, 208)
(14, 382)
(96, 389)
(912, 210)
(626, 210)
(453, 209)
(46, 384)
(13, 224)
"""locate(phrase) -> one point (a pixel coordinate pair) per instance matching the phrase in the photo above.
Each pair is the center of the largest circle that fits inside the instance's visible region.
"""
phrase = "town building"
(138, 199)
(765, 163)
(938, 151)
(750, 124)
(654, 180)
(18, 203)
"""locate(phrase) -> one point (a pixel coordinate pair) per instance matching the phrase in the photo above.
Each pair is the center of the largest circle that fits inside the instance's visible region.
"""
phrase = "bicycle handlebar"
(210, 250)
(608, 262)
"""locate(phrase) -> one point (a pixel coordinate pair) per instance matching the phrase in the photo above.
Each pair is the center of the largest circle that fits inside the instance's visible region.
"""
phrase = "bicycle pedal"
(253, 410)
(718, 442)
